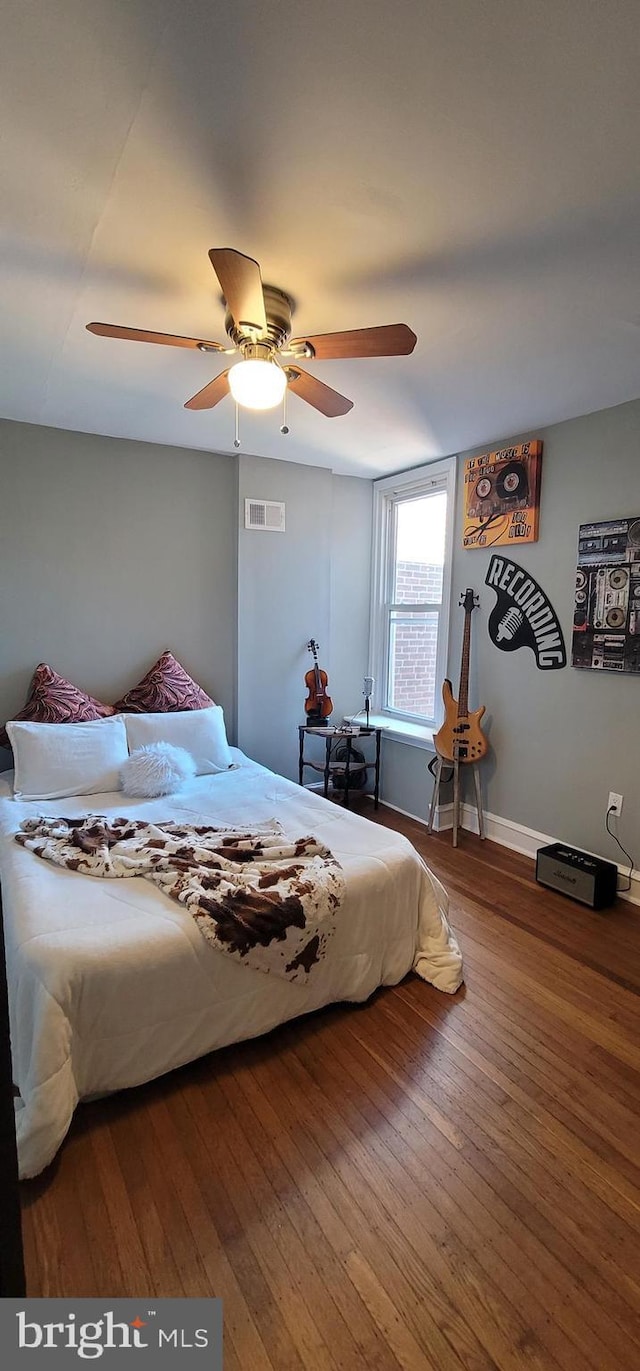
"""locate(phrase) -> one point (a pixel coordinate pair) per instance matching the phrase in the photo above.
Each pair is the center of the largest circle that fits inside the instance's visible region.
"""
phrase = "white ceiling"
(469, 167)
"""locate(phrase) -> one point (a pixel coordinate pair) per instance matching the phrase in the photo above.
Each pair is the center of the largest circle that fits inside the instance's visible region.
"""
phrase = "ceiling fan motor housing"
(279, 308)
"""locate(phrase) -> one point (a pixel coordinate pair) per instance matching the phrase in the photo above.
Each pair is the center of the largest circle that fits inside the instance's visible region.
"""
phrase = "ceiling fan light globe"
(257, 384)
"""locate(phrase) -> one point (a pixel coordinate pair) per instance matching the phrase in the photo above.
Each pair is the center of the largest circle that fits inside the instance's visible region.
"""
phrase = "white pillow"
(157, 769)
(199, 731)
(52, 761)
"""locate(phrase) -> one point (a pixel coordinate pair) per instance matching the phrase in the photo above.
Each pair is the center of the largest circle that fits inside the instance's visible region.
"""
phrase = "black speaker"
(588, 879)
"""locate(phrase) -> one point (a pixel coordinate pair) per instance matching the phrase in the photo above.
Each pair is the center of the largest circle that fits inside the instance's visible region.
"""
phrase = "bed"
(112, 984)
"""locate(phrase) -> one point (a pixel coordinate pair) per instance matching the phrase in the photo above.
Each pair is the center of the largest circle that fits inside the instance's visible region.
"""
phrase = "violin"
(318, 705)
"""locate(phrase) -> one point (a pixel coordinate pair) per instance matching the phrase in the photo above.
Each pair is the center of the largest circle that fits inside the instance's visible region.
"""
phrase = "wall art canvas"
(606, 616)
(502, 496)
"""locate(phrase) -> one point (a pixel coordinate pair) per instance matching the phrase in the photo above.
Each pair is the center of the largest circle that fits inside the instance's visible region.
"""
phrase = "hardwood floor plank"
(375, 1204)
(37, 1255)
(287, 1269)
(621, 1191)
(474, 1210)
(546, 1100)
(610, 1133)
(43, 1239)
(612, 1244)
(489, 1157)
(188, 1262)
(307, 1168)
(124, 1227)
(569, 998)
(86, 1194)
(232, 1273)
(564, 1058)
(310, 1233)
(409, 1353)
(358, 1237)
(136, 1174)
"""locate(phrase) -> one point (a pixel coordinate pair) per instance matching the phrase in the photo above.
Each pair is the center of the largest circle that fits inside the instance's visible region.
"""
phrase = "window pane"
(413, 640)
(419, 550)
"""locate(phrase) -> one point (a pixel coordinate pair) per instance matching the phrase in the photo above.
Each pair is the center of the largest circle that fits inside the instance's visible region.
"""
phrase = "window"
(413, 523)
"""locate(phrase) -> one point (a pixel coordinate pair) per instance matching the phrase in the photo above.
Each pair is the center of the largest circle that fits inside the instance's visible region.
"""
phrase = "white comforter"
(111, 983)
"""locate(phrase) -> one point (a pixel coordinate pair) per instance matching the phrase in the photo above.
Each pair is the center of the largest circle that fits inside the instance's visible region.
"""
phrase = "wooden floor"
(421, 1182)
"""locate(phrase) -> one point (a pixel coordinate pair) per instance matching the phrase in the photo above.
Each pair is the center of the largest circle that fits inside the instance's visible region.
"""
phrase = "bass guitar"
(460, 737)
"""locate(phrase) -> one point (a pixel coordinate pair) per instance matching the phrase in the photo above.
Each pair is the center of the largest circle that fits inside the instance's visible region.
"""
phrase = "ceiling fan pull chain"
(236, 441)
(284, 427)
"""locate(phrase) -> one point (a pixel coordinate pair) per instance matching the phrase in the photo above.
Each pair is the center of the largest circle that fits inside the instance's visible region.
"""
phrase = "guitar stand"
(456, 764)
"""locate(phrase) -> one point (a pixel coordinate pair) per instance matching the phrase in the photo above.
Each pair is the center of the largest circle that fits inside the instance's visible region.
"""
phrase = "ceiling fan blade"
(388, 340)
(142, 335)
(211, 394)
(241, 283)
(322, 397)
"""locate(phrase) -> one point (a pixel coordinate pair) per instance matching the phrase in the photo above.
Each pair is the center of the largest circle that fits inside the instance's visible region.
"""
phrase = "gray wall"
(351, 522)
(110, 552)
(561, 740)
(312, 581)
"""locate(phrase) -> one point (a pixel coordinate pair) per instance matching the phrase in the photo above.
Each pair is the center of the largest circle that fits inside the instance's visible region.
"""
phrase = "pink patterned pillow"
(53, 700)
(166, 689)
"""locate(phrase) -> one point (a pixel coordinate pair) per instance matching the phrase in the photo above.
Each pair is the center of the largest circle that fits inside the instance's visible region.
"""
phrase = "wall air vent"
(265, 514)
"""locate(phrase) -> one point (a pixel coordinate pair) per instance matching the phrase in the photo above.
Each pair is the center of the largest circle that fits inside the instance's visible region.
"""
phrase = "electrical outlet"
(614, 803)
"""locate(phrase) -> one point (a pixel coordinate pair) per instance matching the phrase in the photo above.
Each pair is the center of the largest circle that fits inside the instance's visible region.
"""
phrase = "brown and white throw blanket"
(258, 896)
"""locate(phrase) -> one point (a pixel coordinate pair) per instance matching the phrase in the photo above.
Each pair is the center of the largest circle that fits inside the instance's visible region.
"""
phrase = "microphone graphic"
(367, 691)
(509, 624)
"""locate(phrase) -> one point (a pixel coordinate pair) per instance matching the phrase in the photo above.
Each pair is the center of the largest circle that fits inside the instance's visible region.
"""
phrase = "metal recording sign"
(523, 616)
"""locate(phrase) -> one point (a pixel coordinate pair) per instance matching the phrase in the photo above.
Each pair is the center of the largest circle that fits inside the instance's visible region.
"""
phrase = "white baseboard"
(419, 818)
(510, 834)
(503, 831)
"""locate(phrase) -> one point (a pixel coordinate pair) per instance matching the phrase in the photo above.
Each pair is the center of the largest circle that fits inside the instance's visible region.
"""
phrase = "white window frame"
(425, 480)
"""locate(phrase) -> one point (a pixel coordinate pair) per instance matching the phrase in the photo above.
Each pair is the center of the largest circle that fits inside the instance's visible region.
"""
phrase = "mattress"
(111, 983)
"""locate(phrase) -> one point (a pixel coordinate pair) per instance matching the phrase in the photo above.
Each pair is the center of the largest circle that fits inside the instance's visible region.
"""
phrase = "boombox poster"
(606, 617)
(502, 496)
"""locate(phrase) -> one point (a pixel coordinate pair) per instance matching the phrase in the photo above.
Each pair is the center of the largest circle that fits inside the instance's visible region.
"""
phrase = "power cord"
(621, 889)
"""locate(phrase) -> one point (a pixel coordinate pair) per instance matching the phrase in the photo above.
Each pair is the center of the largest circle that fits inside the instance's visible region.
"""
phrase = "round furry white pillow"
(157, 769)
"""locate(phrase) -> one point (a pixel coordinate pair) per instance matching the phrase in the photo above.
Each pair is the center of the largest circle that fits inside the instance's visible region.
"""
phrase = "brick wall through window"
(414, 644)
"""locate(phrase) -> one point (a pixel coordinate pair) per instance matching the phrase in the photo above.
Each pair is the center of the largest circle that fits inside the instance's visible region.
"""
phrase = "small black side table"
(346, 768)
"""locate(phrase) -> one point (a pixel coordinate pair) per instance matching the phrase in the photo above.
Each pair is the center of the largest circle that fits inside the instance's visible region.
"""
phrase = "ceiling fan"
(258, 322)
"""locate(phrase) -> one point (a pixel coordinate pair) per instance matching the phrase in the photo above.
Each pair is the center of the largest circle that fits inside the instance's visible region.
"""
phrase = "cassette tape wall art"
(502, 496)
(606, 616)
